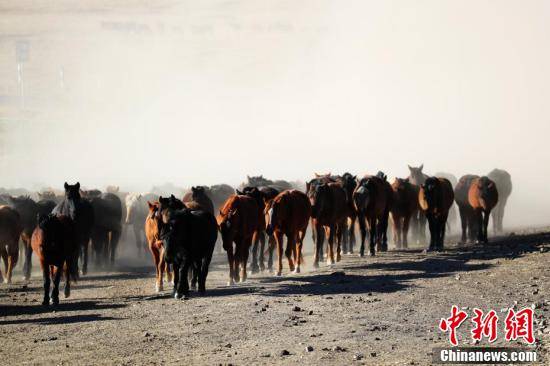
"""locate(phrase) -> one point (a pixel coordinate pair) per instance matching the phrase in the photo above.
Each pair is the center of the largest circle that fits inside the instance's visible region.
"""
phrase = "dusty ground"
(382, 310)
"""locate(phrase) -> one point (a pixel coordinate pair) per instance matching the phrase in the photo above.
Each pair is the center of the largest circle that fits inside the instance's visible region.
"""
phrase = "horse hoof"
(46, 302)
(372, 253)
(297, 270)
(278, 274)
(315, 265)
(67, 292)
(26, 278)
(178, 296)
(158, 288)
(54, 302)
(230, 283)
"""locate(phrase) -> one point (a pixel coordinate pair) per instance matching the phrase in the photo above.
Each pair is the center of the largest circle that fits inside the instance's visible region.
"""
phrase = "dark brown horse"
(288, 214)
(53, 242)
(503, 180)
(328, 213)
(28, 211)
(373, 200)
(263, 196)
(467, 219)
(404, 206)
(197, 198)
(436, 198)
(238, 221)
(417, 178)
(10, 230)
(483, 197)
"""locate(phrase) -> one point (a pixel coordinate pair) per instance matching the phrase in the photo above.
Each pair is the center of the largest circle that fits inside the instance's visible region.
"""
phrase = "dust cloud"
(205, 92)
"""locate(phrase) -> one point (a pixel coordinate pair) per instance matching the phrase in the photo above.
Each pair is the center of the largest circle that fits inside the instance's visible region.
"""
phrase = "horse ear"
(248, 177)
(150, 204)
(66, 186)
(77, 185)
(239, 192)
(160, 198)
(172, 197)
(421, 167)
(410, 168)
(354, 177)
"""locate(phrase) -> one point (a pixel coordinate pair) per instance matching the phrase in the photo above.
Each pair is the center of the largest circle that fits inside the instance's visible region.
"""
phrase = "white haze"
(210, 91)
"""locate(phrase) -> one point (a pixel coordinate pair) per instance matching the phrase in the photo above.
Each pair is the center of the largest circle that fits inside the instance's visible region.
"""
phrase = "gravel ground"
(382, 310)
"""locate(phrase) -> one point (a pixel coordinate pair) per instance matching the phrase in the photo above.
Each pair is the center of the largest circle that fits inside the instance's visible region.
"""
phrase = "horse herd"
(182, 233)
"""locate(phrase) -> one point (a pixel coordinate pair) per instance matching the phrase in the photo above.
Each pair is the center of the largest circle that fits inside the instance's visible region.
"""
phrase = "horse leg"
(372, 236)
(115, 237)
(261, 254)
(205, 263)
(56, 280)
(383, 234)
(27, 265)
(345, 237)
(298, 257)
(319, 241)
(432, 228)
(84, 255)
(182, 288)
(176, 269)
(486, 216)
(255, 241)
(12, 261)
(464, 222)
(231, 261)
(279, 240)
(290, 251)
(67, 289)
(46, 278)
(352, 234)
(330, 231)
(443, 229)
(272, 245)
(244, 257)
(405, 232)
(159, 264)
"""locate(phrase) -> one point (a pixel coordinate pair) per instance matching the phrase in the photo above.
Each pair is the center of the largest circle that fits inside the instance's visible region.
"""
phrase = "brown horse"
(503, 180)
(328, 213)
(263, 196)
(483, 197)
(404, 206)
(436, 198)
(153, 225)
(196, 198)
(288, 214)
(238, 221)
(54, 245)
(466, 212)
(10, 230)
(417, 178)
(372, 200)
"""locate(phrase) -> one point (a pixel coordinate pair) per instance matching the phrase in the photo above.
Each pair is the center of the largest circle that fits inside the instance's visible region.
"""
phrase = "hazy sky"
(210, 91)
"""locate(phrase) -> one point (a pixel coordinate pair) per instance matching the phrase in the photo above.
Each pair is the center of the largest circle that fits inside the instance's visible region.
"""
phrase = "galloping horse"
(483, 197)
(404, 206)
(288, 214)
(503, 180)
(436, 198)
(238, 221)
(54, 245)
(136, 214)
(372, 200)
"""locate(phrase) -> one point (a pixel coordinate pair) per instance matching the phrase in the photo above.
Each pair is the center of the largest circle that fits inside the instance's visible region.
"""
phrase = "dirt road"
(382, 310)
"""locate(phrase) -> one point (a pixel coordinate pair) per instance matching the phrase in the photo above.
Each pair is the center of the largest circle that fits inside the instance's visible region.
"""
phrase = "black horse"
(107, 228)
(82, 214)
(189, 239)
